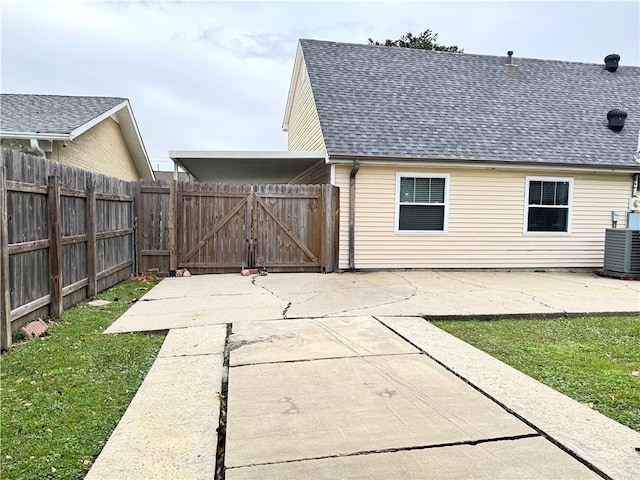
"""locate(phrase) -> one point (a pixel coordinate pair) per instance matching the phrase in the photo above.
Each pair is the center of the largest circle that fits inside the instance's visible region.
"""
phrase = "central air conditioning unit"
(634, 204)
(622, 250)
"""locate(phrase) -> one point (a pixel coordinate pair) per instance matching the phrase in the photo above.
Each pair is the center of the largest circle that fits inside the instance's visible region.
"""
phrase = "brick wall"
(100, 149)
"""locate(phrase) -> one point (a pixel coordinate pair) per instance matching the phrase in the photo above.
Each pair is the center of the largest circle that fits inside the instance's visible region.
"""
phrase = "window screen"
(421, 204)
(548, 206)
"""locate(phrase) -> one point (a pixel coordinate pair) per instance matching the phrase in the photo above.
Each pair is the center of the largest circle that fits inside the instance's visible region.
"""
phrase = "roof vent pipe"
(510, 59)
(611, 62)
(616, 119)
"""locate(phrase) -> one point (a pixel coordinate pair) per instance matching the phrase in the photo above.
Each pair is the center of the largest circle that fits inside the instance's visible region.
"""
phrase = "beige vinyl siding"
(304, 133)
(100, 149)
(485, 225)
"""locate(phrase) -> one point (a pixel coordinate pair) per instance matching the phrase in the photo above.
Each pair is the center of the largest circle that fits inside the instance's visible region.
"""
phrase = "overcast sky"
(213, 75)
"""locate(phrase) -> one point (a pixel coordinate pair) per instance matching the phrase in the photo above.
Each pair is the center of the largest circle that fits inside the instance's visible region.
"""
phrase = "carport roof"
(245, 166)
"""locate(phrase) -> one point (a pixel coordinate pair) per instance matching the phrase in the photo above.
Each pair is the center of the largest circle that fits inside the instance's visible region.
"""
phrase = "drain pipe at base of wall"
(352, 213)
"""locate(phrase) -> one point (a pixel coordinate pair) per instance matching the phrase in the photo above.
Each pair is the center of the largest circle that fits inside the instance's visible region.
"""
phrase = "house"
(168, 176)
(99, 134)
(449, 160)
(244, 167)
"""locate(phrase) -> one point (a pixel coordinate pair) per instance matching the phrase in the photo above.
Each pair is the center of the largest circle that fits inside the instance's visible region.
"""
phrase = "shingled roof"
(389, 102)
(62, 118)
(54, 114)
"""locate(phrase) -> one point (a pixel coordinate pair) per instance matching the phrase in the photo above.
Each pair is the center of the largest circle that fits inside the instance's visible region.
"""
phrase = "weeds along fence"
(66, 234)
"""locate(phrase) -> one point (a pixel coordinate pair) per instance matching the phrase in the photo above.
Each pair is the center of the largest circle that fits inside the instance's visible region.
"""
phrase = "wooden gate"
(222, 228)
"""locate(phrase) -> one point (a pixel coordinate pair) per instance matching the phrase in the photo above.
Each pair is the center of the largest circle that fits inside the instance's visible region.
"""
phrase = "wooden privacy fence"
(211, 228)
(66, 234)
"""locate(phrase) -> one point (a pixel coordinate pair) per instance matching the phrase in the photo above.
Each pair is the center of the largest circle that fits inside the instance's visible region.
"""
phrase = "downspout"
(35, 147)
(352, 213)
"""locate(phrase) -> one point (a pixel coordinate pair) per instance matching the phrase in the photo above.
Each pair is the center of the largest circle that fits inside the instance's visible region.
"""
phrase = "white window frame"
(569, 206)
(445, 226)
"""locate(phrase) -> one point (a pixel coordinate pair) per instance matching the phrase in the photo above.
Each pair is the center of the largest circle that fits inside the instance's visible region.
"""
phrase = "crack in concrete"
(381, 304)
(222, 417)
(541, 432)
(344, 357)
(235, 344)
(286, 308)
(526, 294)
(341, 289)
(193, 296)
(472, 443)
(192, 355)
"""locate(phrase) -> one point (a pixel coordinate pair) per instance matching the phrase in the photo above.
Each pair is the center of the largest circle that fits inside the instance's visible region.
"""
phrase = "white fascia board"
(123, 114)
(131, 133)
(484, 164)
(96, 120)
(37, 136)
(297, 65)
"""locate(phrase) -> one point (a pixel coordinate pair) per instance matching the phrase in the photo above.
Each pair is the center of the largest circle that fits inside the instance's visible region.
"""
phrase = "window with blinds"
(548, 207)
(421, 202)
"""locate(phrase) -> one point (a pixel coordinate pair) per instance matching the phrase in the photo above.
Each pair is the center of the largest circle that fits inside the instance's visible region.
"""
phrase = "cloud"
(215, 75)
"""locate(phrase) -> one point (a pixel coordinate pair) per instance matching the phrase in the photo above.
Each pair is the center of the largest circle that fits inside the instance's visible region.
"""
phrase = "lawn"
(63, 394)
(594, 360)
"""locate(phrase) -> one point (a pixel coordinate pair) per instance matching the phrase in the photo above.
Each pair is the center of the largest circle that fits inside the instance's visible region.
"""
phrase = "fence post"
(92, 287)
(5, 297)
(173, 218)
(137, 218)
(55, 247)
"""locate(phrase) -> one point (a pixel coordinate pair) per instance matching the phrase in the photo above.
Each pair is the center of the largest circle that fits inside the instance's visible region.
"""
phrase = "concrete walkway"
(338, 376)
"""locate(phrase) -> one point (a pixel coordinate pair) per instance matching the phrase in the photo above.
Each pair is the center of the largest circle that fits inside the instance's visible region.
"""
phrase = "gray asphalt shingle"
(406, 103)
(50, 113)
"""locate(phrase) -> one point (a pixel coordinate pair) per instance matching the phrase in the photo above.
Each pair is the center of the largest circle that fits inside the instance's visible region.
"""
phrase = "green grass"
(63, 394)
(591, 359)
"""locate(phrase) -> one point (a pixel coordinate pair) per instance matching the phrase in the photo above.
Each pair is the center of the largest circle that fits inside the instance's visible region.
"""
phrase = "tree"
(426, 41)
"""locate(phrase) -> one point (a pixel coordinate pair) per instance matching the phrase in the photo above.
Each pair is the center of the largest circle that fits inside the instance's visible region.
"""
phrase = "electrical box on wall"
(633, 220)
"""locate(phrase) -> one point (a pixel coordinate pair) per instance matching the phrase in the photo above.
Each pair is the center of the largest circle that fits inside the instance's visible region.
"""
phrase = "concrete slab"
(205, 340)
(214, 299)
(524, 459)
(150, 323)
(208, 304)
(301, 410)
(203, 286)
(451, 293)
(152, 315)
(308, 339)
(169, 429)
(602, 442)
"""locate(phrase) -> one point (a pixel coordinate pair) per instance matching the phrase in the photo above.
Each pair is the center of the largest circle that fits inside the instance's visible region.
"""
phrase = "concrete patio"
(340, 376)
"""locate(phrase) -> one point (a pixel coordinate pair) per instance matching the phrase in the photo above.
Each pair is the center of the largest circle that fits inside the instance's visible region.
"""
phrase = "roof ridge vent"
(611, 62)
(616, 119)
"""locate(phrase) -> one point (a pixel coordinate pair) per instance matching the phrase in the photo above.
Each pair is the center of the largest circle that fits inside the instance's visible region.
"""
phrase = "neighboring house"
(162, 175)
(251, 166)
(449, 160)
(95, 133)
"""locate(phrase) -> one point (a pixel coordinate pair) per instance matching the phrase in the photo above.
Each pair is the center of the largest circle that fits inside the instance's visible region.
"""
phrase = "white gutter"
(36, 135)
(483, 164)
